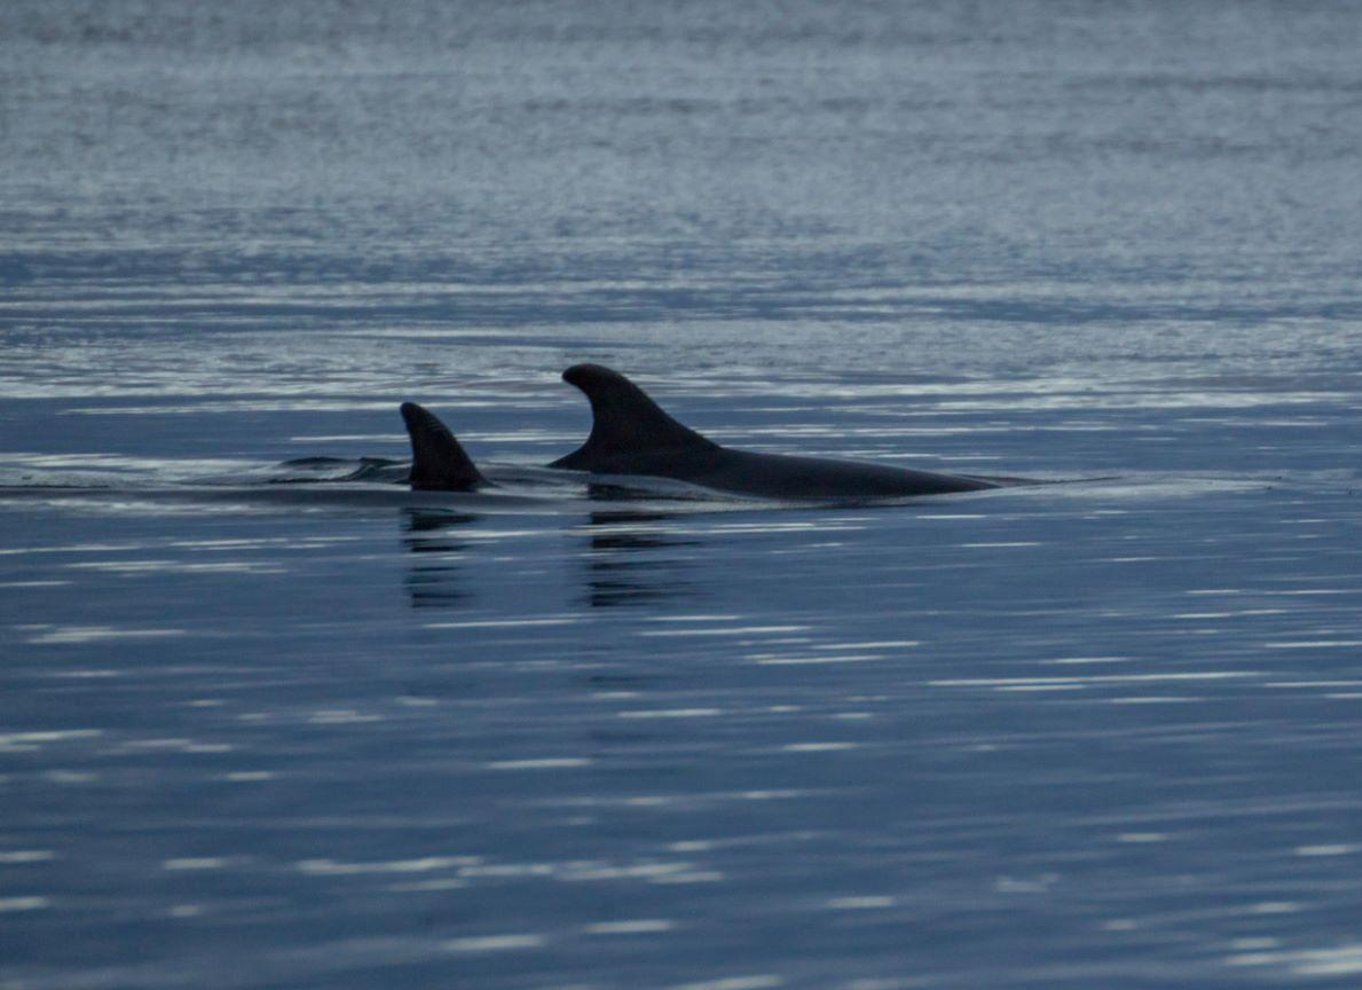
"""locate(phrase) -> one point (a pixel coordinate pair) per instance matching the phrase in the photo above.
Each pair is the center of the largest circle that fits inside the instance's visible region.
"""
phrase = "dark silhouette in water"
(630, 434)
(438, 460)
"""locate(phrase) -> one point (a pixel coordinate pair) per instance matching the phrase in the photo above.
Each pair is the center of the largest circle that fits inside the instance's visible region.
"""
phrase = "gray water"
(1099, 733)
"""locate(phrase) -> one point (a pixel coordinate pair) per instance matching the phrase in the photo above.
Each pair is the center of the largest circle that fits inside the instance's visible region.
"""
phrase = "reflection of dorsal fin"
(624, 420)
(438, 461)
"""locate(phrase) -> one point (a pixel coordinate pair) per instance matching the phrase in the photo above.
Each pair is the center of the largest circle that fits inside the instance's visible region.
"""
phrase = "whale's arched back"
(631, 435)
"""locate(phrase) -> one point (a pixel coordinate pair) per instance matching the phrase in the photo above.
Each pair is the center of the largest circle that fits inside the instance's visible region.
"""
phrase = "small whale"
(631, 435)
(438, 461)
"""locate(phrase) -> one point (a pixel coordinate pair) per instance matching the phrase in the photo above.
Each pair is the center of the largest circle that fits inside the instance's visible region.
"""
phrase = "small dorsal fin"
(624, 420)
(439, 462)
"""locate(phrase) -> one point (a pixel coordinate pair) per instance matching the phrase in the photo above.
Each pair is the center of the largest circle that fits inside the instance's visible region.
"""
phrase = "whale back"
(625, 423)
(439, 462)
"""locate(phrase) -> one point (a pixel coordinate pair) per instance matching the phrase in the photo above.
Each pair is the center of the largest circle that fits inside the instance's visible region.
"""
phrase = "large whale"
(631, 435)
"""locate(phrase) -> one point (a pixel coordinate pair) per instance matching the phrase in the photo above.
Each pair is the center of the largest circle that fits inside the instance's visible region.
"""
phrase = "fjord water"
(1102, 733)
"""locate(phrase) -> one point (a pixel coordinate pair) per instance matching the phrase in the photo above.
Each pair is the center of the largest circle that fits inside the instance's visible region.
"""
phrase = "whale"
(438, 461)
(632, 435)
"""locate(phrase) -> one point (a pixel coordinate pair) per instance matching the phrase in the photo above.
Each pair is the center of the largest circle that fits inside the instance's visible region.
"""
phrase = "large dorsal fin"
(439, 462)
(624, 421)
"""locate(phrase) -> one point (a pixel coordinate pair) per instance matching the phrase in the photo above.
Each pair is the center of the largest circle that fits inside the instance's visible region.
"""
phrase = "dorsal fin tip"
(438, 460)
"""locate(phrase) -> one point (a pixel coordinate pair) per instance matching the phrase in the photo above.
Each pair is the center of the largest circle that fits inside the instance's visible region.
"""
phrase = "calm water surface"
(1101, 733)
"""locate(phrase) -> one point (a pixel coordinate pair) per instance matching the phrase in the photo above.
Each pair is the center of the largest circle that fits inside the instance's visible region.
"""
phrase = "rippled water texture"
(1102, 733)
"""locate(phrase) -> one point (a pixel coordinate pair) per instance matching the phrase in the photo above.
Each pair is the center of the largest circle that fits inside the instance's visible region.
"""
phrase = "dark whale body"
(631, 435)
